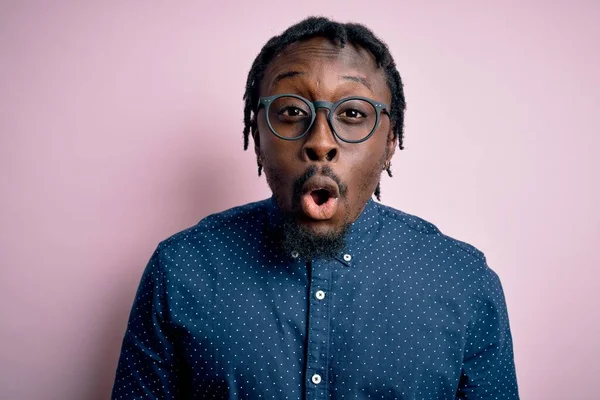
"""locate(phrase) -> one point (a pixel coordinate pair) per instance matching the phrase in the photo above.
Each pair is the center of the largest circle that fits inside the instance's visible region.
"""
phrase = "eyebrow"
(285, 75)
(358, 79)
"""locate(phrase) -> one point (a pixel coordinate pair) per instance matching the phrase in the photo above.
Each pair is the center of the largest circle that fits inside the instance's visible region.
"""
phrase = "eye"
(292, 112)
(352, 113)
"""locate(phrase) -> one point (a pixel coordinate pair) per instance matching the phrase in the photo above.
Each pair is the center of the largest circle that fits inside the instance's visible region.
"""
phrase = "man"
(318, 292)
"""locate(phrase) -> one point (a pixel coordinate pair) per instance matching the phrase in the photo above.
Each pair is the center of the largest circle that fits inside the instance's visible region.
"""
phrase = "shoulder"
(241, 218)
(428, 231)
(448, 253)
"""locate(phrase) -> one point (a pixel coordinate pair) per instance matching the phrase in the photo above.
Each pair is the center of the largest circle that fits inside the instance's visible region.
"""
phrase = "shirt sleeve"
(488, 365)
(145, 368)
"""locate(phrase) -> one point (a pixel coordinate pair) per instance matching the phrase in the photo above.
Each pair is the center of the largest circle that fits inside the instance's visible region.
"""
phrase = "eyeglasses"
(352, 119)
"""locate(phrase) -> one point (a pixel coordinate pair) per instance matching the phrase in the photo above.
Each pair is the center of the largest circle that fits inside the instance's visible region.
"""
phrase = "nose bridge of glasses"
(322, 123)
(323, 104)
(327, 106)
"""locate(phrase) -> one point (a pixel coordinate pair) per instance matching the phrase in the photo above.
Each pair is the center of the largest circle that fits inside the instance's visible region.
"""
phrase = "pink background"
(110, 142)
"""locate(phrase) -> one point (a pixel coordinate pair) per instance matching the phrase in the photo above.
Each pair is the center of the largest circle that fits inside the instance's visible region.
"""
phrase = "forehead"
(320, 63)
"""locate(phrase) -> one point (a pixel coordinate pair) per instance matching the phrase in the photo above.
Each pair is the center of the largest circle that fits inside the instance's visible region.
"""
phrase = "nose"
(321, 144)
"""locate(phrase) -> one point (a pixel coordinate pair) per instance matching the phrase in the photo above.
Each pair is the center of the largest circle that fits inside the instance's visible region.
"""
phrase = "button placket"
(318, 329)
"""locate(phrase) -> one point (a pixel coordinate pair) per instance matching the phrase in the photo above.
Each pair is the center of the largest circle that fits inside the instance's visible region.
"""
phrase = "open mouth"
(320, 196)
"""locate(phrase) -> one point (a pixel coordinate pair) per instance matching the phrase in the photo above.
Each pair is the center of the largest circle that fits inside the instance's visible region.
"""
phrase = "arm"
(488, 367)
(145, 367)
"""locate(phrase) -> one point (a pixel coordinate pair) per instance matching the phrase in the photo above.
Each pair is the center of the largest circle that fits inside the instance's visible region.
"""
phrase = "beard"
(295, 237)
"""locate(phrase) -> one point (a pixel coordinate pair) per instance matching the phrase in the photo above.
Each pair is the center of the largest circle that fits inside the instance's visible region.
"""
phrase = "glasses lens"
(289, 116)
(354, 119)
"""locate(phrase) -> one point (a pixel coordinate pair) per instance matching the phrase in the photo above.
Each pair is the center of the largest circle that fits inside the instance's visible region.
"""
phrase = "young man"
(319, 292)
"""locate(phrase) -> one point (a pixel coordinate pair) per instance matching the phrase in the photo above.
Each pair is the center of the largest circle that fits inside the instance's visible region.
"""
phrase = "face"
(321, 182)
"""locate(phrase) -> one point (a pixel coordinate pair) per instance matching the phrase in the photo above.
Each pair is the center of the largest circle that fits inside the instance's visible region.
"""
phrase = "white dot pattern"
(404, 312)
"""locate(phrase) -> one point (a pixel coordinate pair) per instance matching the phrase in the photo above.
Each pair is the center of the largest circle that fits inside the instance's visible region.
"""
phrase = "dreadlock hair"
(340, 33)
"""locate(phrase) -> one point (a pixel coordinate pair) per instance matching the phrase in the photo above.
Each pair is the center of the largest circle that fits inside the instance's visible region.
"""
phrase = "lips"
(320, 196)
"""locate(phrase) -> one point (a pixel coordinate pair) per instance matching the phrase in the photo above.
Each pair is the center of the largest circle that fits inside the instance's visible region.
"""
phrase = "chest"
(373, 329)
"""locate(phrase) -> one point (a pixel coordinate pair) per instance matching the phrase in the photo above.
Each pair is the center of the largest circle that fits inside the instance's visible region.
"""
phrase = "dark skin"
(318, 69)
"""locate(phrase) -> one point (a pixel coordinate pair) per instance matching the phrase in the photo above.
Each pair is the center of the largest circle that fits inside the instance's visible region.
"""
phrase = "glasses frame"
(314, 105)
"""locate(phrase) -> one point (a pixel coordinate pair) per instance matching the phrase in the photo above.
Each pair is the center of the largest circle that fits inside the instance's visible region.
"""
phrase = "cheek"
(368, 155)
(366, 165)
(270, 146)
(276, 155)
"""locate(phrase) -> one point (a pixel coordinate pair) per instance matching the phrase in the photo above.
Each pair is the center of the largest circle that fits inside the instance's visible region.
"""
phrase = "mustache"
(309, 173)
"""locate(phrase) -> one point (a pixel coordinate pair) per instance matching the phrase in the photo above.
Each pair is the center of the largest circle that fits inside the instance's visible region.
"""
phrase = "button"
(347, 257)
(316, 379)
(295, 254)
(320, 295)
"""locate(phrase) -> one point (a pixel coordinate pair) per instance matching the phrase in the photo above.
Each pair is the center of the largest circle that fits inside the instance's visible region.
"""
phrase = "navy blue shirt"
(404, 312)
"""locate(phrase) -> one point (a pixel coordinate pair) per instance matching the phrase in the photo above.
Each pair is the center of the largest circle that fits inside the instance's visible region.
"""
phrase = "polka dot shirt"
(404, 312)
